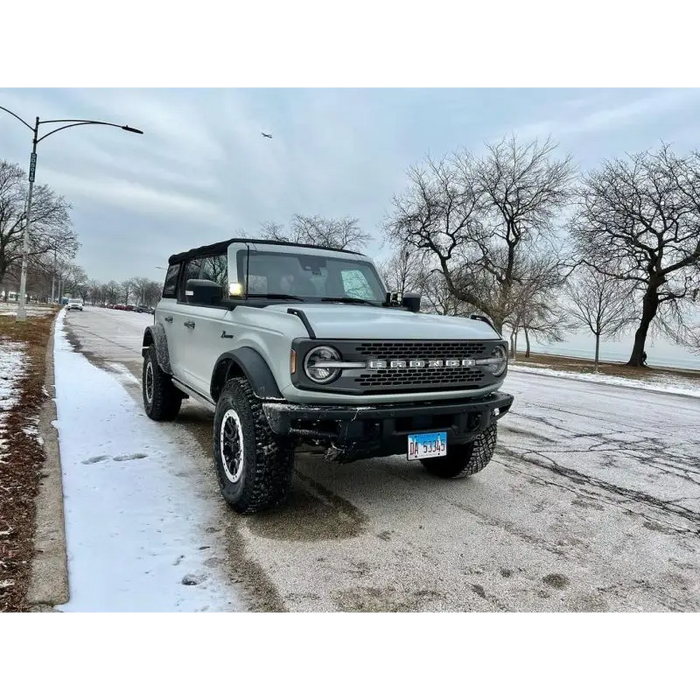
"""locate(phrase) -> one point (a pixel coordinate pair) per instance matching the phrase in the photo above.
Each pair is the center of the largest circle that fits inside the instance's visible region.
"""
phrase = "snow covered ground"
(140, 535)
(10, 309)
(12, 360)
(669, 385)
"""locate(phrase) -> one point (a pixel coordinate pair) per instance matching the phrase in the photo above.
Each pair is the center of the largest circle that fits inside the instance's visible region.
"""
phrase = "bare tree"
(152, 292)
(344, 233)
(74, 281)
(535, 307)
(601, 303)
(140, 286)
(402, 270)
(51, 225)
(438, 297)
(476, 217)
(112, 292)
(641, 216)
(126, 289)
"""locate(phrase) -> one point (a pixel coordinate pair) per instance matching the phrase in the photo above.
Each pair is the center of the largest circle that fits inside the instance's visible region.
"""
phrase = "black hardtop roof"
(221, 246)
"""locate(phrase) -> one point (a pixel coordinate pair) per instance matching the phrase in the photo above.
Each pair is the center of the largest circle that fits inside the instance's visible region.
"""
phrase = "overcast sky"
(202, 170)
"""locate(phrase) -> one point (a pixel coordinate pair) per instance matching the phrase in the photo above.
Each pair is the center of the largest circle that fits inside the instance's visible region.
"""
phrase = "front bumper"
(356, 432)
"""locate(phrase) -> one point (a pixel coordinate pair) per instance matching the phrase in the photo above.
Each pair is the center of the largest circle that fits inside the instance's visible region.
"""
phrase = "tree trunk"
(597, 350)
(514, 344)
(650, 306)
(527, 343)
(497, 324)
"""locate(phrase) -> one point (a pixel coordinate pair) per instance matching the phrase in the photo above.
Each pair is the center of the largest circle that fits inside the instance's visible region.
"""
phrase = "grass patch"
(615, 369)
(20, 473)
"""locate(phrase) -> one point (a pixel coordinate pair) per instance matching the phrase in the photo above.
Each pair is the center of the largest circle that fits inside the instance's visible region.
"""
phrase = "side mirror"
(411, 302)
(203, 292)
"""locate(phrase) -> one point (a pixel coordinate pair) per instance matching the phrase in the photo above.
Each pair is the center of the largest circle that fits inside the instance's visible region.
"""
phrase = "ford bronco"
(302, 347)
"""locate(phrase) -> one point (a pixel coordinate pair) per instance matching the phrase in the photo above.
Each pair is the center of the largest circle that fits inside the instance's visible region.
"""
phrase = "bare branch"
(344, 234)
(638, 221)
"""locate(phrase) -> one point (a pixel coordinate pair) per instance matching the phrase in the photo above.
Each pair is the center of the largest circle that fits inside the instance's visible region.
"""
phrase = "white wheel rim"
(231, 445)
(149, 382)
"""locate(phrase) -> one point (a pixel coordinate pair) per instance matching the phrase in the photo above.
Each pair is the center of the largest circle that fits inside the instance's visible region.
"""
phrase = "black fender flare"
(248, 363)
(155, 335)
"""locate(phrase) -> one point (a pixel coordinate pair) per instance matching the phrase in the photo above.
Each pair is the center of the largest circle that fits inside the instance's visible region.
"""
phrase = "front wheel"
(464, 460)
(161, 398)
(254, 466)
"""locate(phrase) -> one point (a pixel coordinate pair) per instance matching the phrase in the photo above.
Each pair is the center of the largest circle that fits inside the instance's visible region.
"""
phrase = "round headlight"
(498, 362)
(316, 364)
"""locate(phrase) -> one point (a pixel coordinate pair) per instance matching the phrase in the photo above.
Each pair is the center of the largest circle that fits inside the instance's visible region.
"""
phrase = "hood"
(346, 321)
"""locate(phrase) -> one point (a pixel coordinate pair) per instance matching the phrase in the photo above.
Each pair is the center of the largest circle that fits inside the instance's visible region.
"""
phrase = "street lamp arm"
(75, 122)
(4, 109)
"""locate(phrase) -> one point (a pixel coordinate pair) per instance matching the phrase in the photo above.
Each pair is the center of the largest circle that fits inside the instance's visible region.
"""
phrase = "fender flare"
(155, 335)
(250, 364)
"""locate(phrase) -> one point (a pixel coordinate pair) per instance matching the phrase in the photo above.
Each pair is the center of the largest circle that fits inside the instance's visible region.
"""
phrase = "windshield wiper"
(275, 296)
(349, 300)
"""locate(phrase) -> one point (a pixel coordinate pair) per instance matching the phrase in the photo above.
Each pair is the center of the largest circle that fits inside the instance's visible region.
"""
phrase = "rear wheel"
(464, 460)
(254, 466)
(161, 399)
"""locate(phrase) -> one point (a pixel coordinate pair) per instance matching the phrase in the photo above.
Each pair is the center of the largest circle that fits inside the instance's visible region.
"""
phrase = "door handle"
(168, 319)
(189, 324)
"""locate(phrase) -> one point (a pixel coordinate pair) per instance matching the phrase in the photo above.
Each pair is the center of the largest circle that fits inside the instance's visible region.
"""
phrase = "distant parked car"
(74, 305)
(144, 309)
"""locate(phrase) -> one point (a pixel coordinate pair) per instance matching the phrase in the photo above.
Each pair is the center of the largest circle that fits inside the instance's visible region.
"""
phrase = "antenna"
(247, 270)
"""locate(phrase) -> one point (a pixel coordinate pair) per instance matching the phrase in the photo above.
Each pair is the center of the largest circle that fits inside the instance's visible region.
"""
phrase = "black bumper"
(380, 430)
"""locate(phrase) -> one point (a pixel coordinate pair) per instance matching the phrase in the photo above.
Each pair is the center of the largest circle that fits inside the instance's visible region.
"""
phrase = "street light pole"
(22, 310)
(67, 124)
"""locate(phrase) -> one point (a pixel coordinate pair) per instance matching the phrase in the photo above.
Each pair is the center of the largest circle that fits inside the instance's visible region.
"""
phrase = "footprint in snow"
(118, 458)
(94, 460)
(127, 458)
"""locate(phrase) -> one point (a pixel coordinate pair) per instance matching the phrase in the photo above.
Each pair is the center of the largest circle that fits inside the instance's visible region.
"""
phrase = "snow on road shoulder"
(135, 529)
(12, 368)
(669, 385)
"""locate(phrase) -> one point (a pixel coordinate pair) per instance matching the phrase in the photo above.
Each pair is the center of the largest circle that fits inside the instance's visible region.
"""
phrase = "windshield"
(312, 277)
(75, 301)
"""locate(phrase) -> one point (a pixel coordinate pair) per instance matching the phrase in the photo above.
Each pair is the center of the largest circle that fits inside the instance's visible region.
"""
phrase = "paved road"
(592, 503)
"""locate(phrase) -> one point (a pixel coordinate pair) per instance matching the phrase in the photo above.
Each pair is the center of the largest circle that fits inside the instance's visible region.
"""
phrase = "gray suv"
(303, 347)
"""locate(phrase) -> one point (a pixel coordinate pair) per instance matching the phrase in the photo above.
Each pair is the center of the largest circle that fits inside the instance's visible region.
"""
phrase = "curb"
(48, 584)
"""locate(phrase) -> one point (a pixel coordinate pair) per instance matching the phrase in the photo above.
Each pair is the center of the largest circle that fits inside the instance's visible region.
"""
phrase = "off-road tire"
(464, 460)
(265, 473)
(166, 399)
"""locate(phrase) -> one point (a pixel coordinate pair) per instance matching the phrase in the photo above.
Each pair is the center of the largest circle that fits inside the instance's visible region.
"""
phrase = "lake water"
(660, 351)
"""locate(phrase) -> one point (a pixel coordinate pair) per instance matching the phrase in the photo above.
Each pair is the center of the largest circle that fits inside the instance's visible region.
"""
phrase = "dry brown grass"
(19, 475)
(615, 369)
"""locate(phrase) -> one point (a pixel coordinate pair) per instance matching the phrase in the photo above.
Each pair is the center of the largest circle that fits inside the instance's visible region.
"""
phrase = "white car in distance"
(74, 305)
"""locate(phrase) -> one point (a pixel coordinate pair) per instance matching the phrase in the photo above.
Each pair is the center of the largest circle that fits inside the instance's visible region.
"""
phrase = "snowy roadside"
(136, 529)
(12, 368)
(12, 361)
(10, 309)
(668, 385)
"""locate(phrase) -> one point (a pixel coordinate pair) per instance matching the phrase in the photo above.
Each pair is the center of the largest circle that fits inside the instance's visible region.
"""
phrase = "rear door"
(165, 315)
(211, 334)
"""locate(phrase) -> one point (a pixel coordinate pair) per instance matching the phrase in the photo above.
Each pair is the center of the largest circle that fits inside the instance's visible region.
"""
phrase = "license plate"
(427, 445)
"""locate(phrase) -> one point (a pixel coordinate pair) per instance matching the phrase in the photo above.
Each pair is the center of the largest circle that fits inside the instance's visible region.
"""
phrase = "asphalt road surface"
(592, 503)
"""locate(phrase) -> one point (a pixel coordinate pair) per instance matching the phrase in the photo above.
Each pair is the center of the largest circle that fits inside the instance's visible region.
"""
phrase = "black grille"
(421, 350)
(457, 378)
(410, 379)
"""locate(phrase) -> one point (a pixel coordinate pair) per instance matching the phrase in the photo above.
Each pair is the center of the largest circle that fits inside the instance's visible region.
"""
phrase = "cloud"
(133, 196)
(610, 118)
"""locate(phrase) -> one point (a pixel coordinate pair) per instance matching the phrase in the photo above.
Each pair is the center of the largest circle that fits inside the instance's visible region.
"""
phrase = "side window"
(191, 272)
(170, 284)
(215, 269)
(355, 285)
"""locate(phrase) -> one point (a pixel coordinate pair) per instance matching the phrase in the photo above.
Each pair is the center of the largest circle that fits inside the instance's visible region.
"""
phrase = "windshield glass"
(75, 301)
(309, 276)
